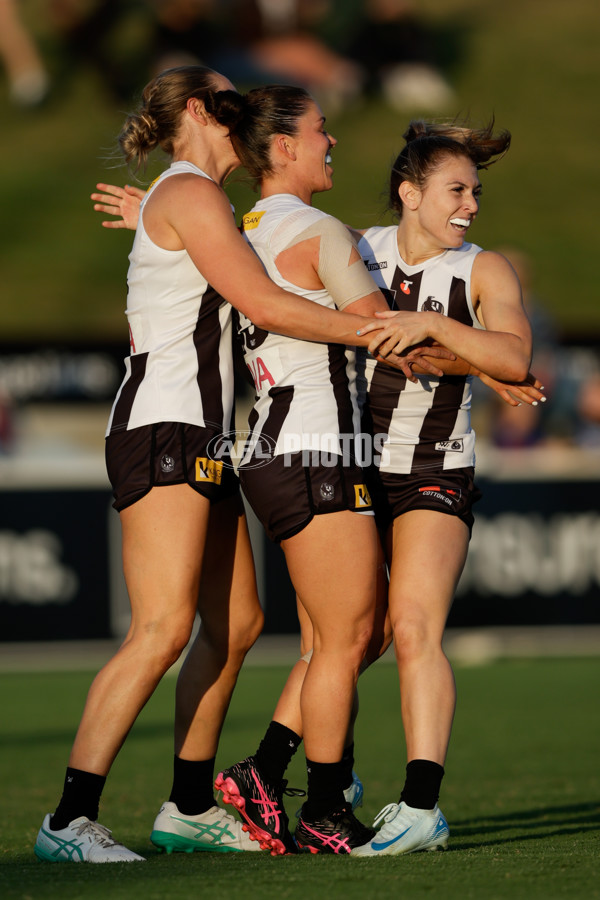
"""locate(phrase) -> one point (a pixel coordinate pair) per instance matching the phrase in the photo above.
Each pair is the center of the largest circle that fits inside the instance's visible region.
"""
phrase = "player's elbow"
(517, 359)
(265, 317)
(517, 368)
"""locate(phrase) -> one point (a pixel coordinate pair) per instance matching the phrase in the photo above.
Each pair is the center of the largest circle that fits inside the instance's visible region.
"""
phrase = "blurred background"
(70, 70)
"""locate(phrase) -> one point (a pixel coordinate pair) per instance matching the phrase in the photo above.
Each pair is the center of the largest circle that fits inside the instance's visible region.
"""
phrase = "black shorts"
(166, 453)
(451, 491)
(285, 493)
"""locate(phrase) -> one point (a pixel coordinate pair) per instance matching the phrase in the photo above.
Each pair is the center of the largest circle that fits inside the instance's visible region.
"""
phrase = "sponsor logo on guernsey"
(260, 373)
(208, 470)
(374, 266)
(252, 220)
(405, 286)
(456, 445)
(362, 498)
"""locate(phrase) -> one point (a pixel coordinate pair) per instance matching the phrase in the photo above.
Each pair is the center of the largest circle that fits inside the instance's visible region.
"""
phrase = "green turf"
(534, 65)
(521, 791)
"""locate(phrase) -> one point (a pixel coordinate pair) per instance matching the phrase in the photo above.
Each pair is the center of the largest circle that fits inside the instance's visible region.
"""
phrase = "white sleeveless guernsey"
(180, 367)
(305, 391)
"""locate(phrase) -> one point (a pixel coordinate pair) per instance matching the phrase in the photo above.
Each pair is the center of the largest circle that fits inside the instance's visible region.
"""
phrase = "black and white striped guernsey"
(305, 391)
(423, 426)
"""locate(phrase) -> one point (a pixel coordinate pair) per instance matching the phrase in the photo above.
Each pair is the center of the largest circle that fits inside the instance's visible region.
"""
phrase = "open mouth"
(460, 223)
(328, 159)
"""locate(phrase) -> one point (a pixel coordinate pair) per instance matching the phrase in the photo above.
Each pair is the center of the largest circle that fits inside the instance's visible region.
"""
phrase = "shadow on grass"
(542, 822)
(140, 731)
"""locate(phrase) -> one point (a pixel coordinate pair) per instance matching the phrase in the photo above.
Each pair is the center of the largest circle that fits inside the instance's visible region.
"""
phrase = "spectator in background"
(186, 32)
(336, 49)
(110, 35)
(27, 76)
(256, 41)
(396, 49)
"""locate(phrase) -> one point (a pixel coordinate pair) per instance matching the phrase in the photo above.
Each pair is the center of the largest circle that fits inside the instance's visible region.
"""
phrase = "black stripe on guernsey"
(389, 383)
(386, 386)
(124, 404)
(457, 304)
(207, 338)
(438, 422)
(402, 300)
(277, 412)
(440, 419)
(338, 374)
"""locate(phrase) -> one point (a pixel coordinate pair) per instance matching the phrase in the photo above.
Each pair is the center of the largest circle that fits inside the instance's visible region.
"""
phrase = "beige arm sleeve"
(345, 281)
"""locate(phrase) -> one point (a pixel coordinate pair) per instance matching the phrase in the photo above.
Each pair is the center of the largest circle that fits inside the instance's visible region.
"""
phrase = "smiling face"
(312, 170)
(447, 204)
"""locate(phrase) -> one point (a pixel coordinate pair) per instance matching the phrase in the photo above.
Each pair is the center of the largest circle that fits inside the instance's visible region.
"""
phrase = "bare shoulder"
(185, 207)
(191, 186)
(490, 264)
(493, 272)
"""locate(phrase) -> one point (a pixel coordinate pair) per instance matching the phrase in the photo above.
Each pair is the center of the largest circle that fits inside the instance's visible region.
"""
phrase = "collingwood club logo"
(433, 305)
(456, 445)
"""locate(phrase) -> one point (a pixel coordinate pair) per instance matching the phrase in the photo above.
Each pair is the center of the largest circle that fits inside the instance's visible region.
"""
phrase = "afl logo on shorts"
(167, 463)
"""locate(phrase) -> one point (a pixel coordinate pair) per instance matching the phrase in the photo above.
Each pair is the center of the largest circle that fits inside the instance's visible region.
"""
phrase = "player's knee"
(165, 640)
(359, 644)
(411, 638)
(230, 644)
(247, 634)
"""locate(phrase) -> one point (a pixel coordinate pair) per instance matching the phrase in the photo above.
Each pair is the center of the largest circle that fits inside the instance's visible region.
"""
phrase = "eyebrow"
(464, 184)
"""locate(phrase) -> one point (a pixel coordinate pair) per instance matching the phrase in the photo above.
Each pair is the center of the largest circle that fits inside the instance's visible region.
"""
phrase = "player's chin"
(457, 238)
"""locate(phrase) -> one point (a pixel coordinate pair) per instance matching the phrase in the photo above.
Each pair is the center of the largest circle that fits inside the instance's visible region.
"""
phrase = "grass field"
(521, 792)
(534, 65)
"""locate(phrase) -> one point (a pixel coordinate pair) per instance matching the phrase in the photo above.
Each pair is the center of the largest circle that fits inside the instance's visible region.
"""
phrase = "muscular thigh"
(163, 543)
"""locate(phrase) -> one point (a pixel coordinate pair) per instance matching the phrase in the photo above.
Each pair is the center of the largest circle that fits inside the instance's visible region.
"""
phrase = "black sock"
(81, 797)
(325, 789)
(422, 786)
(348, 764)
(192, 790)
(276, 751)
